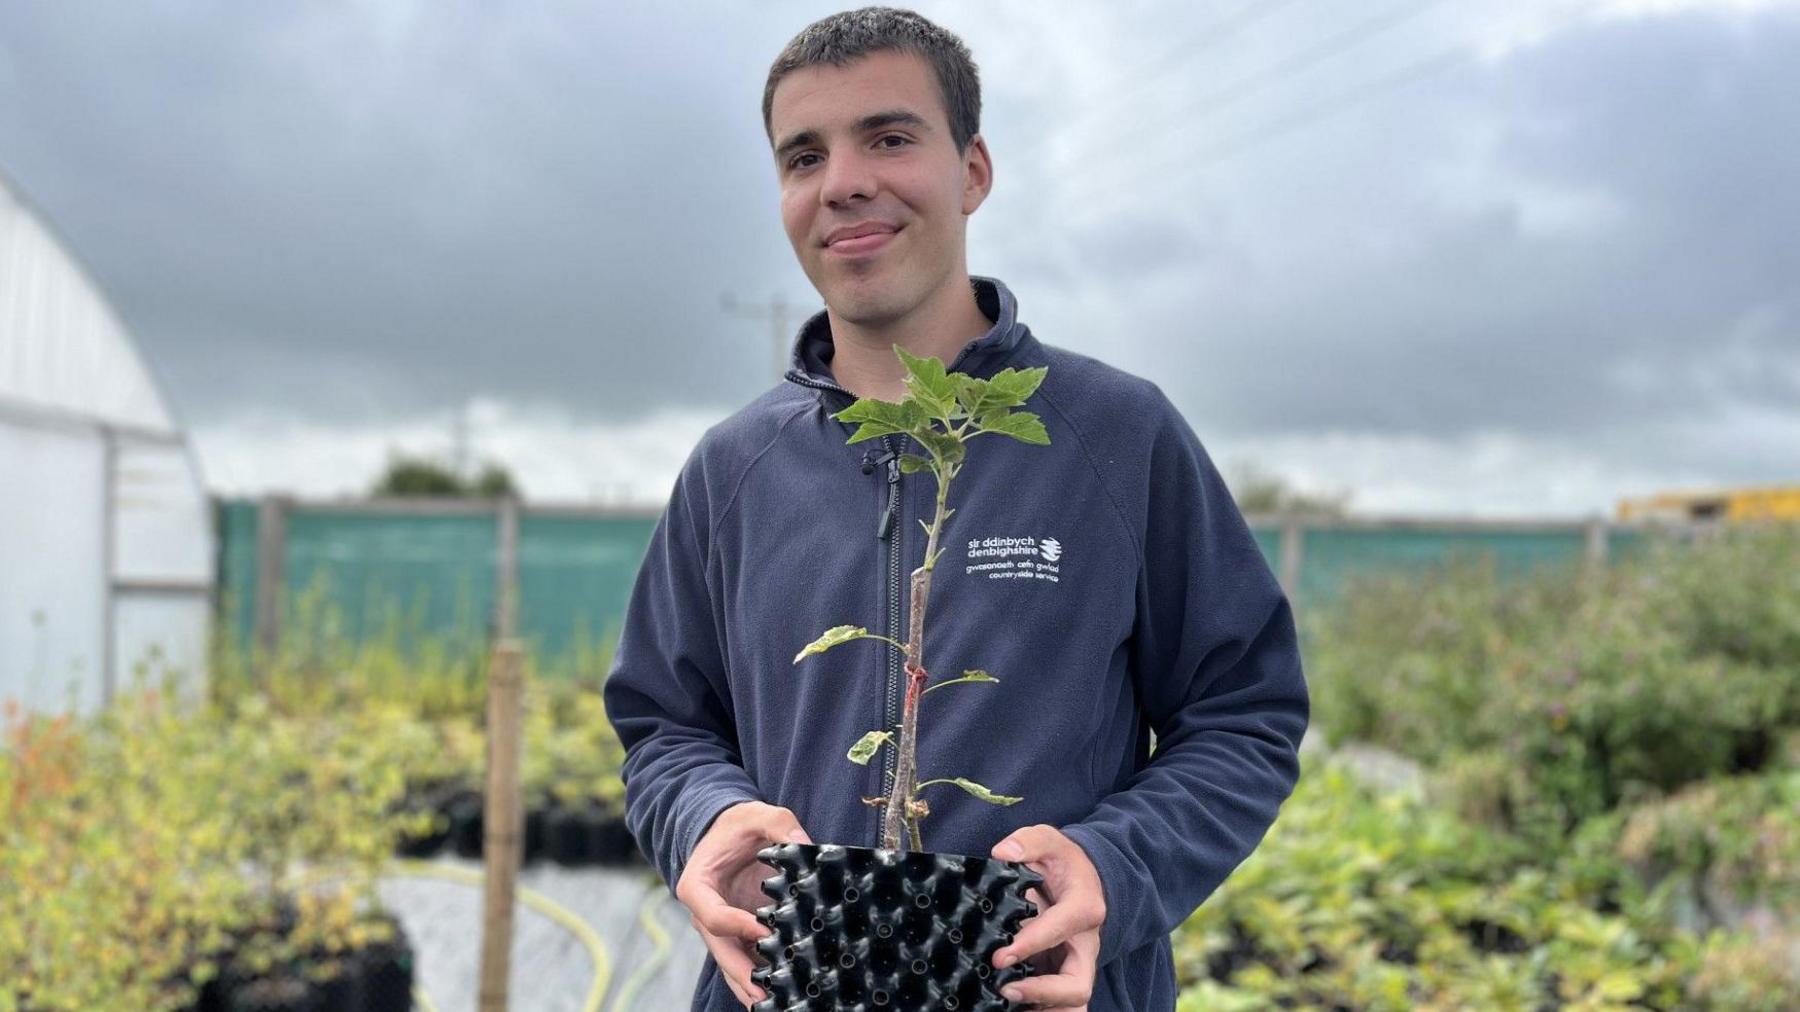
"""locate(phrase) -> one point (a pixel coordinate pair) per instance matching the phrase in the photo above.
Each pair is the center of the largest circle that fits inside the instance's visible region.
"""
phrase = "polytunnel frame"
(43, 416)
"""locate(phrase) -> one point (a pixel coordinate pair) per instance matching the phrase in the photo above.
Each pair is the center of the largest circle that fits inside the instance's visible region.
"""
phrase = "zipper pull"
(886, 526)
(869, 464)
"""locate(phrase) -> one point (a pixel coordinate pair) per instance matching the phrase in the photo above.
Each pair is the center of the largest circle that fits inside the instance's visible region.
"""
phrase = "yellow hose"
(582, 930)
(658, 937)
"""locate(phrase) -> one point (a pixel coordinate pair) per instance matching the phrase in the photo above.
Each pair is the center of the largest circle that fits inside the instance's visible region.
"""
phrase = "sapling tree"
(942, 412)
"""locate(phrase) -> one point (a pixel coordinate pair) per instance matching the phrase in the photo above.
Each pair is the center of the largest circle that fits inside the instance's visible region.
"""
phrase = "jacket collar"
(809, 364)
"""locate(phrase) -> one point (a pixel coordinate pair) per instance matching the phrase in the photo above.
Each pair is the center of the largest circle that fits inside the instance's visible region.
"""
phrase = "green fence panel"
(575, 577)
(236, 579)
(1269, 540)
(372, 572)
(1331, 556)
(376, 572)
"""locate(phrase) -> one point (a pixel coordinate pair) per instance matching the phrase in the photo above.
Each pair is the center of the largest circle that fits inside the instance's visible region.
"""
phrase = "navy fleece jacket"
(1107, 580)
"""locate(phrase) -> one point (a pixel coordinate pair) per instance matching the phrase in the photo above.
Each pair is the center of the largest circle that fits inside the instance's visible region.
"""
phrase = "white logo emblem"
(1027, 558)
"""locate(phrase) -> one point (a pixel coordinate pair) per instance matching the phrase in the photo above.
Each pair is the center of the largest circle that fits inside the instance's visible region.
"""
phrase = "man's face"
(869, 144)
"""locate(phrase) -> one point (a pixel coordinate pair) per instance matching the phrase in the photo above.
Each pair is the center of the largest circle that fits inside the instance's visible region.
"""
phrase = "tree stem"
(898, 817)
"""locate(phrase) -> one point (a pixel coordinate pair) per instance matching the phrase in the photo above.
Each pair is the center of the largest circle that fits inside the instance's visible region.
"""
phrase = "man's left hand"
(1071, 908)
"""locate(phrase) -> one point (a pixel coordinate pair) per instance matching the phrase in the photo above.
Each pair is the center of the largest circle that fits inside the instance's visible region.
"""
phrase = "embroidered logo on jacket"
(1024, 558)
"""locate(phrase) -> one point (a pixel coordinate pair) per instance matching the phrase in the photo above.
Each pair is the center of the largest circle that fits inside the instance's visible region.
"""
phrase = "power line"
(1341, 102)
(1289, 68)
(1214, 35)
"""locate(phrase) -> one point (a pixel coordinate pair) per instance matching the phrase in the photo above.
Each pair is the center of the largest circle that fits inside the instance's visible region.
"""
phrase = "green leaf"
(971, 393)
(928, 382)
(840, 634)
(976, 789)
(972, 675)
(1012, 387)
(878, 418)
(866, 746)
(1021, 425)
(911, 463)
(1620, 986)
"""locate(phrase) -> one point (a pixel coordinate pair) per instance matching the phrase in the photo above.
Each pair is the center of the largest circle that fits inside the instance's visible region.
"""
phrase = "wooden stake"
(503, 820)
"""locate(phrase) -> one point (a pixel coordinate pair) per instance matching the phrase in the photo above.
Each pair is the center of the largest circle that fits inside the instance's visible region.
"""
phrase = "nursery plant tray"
(865, 928)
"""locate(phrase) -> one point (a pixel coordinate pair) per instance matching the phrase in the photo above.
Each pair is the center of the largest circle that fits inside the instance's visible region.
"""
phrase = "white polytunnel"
(106, 541)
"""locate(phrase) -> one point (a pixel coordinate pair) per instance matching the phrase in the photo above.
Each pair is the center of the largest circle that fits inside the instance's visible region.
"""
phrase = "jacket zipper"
(893, 567)
(884, 530)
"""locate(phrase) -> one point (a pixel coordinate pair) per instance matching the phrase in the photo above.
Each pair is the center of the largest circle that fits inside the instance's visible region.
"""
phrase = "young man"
(1162, 615)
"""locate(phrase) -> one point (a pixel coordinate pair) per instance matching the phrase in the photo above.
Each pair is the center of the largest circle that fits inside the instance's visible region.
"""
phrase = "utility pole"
(777, 311)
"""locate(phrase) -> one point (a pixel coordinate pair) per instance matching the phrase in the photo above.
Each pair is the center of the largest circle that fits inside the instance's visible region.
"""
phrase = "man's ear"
(978, 172)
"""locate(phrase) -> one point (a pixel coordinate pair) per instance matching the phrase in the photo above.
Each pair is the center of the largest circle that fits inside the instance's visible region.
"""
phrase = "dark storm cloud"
(1630, 254)
(317, 209)
(366, 214)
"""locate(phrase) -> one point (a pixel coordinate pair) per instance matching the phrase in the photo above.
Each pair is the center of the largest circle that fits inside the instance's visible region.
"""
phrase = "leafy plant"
(1371, 899)
(941, 412)
(1544, 701)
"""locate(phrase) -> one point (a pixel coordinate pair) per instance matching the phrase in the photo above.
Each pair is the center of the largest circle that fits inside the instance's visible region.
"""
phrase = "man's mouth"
(863, 244)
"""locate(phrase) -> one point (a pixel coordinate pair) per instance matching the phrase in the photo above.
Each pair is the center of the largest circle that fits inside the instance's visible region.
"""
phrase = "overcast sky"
(1486, 257)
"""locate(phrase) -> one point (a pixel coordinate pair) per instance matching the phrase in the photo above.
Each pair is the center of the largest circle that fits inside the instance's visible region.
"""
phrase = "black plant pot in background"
(872, 928)
(275, 993)
(387, 972)
(344, 990)
(430, 796)
(535, 821)
(465, 824)
(613, 842)
(375, 978)
(566, 836)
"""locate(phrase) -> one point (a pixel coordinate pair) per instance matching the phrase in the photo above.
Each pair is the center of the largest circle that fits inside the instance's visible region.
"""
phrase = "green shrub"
(1737, 836)
(137, 844)
(1545, 700)
(1365, 900)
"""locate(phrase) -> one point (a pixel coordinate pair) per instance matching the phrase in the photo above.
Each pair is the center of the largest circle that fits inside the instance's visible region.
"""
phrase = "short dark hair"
(850, 35)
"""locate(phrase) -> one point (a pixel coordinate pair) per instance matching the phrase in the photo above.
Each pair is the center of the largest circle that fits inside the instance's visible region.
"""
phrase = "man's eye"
(794, 162)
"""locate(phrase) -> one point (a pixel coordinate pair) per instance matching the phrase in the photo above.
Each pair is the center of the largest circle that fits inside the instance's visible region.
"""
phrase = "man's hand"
(1066, 927)
(722, 886)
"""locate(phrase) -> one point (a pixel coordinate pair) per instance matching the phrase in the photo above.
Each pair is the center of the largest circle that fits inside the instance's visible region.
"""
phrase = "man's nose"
(847, 176)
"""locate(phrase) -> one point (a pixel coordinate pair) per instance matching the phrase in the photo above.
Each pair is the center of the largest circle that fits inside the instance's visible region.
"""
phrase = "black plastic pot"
(534, 835)
(569, 835)
(275, 993)
(872, 928)
(344, 990)
(432, 796)
(465, 824)
(614, 844)
(387, 972)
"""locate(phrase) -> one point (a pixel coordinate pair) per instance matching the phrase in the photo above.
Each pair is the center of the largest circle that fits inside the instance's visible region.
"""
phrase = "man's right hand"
(722, 886)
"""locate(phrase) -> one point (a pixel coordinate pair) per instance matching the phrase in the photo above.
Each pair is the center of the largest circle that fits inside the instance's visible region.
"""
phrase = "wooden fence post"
(506, 571)
(503, 821)
(1595, 544)
(1293, 536)
(271, 576)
